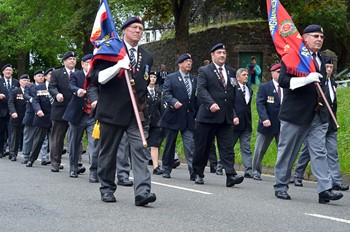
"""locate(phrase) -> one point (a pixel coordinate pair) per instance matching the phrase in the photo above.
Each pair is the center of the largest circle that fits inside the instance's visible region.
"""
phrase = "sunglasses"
(317, 36)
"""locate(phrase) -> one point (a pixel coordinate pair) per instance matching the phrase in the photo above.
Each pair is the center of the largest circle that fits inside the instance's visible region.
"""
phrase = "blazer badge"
(270, 99)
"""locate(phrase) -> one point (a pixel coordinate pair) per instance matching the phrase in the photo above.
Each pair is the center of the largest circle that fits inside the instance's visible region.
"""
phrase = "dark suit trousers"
(59, 129)
(39, 137)
(17, 135)
(204, 137)
(111, 136)
(3, 128)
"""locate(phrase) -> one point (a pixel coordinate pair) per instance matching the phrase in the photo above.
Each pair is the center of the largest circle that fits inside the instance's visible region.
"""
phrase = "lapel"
(217, 75)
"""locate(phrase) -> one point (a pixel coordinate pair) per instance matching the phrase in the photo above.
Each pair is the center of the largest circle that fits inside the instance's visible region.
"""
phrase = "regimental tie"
(132, 57)
(8, 86)
(315, 61)
(70, 74)
(151, 91)
(279, 93)
(187, 84)
(222, 78)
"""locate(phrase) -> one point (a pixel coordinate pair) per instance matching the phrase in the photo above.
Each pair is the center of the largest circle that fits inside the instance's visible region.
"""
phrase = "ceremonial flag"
(105, 39)
(288, 41)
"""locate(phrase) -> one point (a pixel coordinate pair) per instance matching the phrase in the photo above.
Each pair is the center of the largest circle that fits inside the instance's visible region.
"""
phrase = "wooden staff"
(130, 82)
(327, 104)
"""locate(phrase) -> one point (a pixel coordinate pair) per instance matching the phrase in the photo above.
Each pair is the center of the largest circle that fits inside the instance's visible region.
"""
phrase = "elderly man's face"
(314, 41)
(39, 78)
(243, 78)
(70, 62)
(185, 66)
(7, 72)
(219, 57)
(133, 33)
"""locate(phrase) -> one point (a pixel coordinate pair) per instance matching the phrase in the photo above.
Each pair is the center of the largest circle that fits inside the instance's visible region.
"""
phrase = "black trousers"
(16, 137)
(59, 129)
(203, 140)
(39, 137)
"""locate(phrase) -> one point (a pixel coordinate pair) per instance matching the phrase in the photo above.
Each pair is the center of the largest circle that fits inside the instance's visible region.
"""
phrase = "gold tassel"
(96, 131)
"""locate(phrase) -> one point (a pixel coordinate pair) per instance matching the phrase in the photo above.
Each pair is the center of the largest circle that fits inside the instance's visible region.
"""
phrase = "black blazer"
(41, 101)
(59, 84)
(4, 111)
(242, 109)
(114, 105)
(75, 108)
(154, 107)
(17, 104)
(174, 90)
(268, 106)
(29, 93)
(210, 91)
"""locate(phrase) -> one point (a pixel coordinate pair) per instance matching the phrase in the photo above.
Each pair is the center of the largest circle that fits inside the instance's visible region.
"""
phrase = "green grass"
(343, 115)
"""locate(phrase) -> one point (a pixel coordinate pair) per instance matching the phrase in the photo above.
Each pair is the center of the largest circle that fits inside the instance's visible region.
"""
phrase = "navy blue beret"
(184, 57)
(135, 19)
(24, 76)
(48, 70)
(87, 57)
(68, 54)
(38, 72)
(5, 66)
(313, 28)
(328, 60)
(217, 46)
(153, 73)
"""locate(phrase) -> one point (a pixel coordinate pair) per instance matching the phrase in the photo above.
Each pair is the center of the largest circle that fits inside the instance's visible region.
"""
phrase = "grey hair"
(239, 71)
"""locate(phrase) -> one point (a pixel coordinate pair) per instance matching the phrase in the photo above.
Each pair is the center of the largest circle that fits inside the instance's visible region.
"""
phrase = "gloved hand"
(107, 74)
(296, 82)
(313, 77)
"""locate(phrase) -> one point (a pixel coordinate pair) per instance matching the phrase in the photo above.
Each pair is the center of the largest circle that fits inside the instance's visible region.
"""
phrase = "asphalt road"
(35, 199)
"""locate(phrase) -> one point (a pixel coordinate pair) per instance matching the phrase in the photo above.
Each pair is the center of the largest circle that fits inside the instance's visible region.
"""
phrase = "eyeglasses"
(316, 36)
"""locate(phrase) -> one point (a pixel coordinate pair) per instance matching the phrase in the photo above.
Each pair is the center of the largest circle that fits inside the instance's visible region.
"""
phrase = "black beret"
(183, 57)
(135, 19)
(153, 73)
(38, 72)
(313, 28)
(68, 54)
(24, 76)
(5, 66)
(217, 46)
(48, 70)
(328, 60)
(86, 57)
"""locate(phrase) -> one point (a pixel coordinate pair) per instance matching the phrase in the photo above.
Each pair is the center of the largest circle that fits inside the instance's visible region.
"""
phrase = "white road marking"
(329, 218)
(182, 188)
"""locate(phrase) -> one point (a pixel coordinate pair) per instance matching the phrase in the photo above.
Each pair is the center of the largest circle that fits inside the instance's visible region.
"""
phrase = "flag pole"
(129, 83)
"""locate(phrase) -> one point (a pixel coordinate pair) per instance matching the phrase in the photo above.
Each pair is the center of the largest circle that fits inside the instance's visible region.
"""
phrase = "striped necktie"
(187, 84)
(8, 86)
(151, 91)
(222, 78)
(132, 57)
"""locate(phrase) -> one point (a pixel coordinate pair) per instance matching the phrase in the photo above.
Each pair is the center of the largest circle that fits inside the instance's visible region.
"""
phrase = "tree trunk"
(22, 62)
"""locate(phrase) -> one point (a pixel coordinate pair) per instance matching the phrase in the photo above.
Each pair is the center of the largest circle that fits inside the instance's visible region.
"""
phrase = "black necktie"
(222, 78)
(8, 86)
(132, 57)
(315, 61)
(279, 93)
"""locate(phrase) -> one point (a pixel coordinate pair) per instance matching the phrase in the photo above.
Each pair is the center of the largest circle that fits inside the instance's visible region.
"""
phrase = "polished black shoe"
(219, 172)
(73, 175)
(25, 161)
(192, 177)
(145, 198)
(64, 151)
(212, 169)
(13, 158)
(81, 170)
(157, 171)
(176, 163)
(150, 162)
(298, 183)
(29, 164)
(45, 162)
(340, 187)
(232, 180)
(10, 156)
(166, 175)
(108, 197)
(125, 182)
(1, 155)
(328, 195)
(55, 169)
(198, 180)
(256, 177)
(93, 177)
(282, 195)
(248, 175)
(61, 167)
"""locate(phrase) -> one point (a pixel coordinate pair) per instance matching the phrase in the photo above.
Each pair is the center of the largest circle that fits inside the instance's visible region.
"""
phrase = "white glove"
(297, 82)
(107, 74)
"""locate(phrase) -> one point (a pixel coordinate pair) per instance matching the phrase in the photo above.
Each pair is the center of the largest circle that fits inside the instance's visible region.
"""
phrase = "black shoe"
(61, 167)
(328, 195)
(291, 181)
(10, 156)
(93, 177)
(232, 180)
(256, 177)
(13, 158)
(1, 155)
(45, 162)
(125, 182)
(6, 154)
(73, 175)
(29, 164)
(176, 163)
(157, 171)
(298, 183)
(212, 169)
(108, 197)
(192, 177)
(64, 151)
(248, 175)
(55, 169)
(83, 152)
(150, 162)
(341, 187)
(81, 170)
(282, 195)
(166, 175)
(25, 161)
(219, 172)
(198, 180)
(145, 198)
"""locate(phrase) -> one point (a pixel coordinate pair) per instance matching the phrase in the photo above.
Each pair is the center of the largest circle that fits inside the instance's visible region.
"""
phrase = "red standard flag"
(288, 41)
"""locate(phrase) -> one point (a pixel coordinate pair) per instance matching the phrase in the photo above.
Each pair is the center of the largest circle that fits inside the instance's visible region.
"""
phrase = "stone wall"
(244, 37)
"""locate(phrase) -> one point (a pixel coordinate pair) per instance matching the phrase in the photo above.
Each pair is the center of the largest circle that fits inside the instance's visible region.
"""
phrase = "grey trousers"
(123, 158)
(291, 138)
(246, 153)
(263, 142)
(28, 138)
(332, 159)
